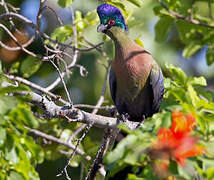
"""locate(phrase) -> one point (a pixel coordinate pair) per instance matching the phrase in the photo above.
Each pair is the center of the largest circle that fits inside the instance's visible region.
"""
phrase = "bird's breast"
(131, 74)
(132, 69)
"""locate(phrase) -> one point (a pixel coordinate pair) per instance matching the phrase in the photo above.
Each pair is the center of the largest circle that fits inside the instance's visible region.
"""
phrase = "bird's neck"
(123, 43)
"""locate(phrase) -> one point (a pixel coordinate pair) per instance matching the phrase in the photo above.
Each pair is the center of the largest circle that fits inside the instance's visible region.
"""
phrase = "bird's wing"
(113, 85)
(156, 81)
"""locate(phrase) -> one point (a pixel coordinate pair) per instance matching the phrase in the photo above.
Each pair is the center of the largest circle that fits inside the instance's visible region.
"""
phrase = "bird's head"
(110, 16)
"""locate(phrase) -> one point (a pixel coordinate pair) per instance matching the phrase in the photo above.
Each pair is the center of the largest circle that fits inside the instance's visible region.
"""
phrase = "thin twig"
(6, 16)
(56, 140)
(54, 12)
(17, 42)
(191, 10)
(74, 151)
(75, 55)
(99, 156)
(10, 6)
(63, 82)
(35, 86)
(94, 107)
(7, 10)
(187, 19)
(210, 9)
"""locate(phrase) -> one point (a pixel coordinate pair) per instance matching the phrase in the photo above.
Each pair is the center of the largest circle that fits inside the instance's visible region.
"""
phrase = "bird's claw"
(124, 117)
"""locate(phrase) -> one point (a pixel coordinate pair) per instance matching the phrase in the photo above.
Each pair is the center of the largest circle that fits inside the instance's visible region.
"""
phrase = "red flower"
(176, 142)
(181, 125)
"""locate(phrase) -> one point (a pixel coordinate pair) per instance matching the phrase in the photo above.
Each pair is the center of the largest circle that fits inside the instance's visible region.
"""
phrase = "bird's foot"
(124, 117)
(142, 121)
(113, 111)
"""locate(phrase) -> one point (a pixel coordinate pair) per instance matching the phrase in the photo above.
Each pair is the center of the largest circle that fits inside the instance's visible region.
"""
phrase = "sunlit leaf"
(62, 33)
(178, 73)
(65, 3)
(5, 107)
(11, 155)
(191, 48)
(192, 95)
(15, 176)
(25, 116)
(29, 66)
(117, 153)
(2, 136)
(210, 174)
(139, 42)
(201, 81)
(136, 2)
(134, 177)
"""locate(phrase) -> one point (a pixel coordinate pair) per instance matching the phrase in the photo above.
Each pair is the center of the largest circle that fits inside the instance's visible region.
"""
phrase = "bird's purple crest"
(107, 12)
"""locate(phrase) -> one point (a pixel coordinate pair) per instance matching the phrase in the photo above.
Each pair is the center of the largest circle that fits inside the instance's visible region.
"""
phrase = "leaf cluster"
(194, 27)
(181, 93)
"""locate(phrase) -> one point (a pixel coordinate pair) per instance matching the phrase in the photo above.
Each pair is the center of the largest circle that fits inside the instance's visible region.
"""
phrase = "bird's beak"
(102, 28)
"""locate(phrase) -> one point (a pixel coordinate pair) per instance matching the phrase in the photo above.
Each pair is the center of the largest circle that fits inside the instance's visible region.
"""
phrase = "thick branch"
(51, 110)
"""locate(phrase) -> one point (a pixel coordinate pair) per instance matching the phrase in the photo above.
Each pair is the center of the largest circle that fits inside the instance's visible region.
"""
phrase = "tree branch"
(187, 19)
(58, 141)
(35, 86)
(51, 110)
(7, 16)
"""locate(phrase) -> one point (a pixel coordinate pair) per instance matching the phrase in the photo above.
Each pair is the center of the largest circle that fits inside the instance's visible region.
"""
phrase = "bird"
(135, 79)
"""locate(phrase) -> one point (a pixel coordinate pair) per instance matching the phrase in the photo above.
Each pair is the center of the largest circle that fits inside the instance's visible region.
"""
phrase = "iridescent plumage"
(136, 80)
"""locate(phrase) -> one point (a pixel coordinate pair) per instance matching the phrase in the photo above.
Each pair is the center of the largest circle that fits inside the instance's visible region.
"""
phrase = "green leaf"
(12, 89)
(91, 17)
(177, 73)
(166, 119)
(117, 153)
(192, 95)
(30, 66)
(136, 2)
(185, 30)
(36, 150)
(191, 49)
(11, 155)
(210, 174)
(2, 136)
(210, 56)
(80, 24)
(65, 3)
(139, 42)
(162, 28)
(202, 124)
(134, 177)
(200, 81)
(7, 103)
(24, 116)
(75, 161)
(159, 11)
(209, 95)
(15, 176)
(65, 135)
(62, 33)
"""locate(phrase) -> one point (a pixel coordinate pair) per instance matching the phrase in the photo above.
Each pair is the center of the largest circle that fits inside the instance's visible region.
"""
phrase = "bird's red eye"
(111, 22)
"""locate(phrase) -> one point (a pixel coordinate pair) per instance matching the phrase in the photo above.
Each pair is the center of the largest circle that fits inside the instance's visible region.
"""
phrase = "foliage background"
(169, 39)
